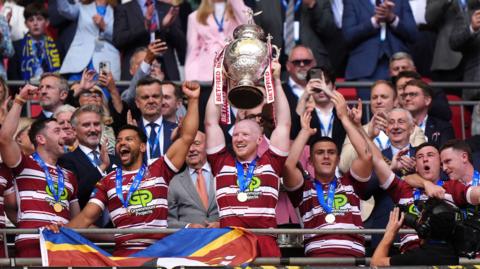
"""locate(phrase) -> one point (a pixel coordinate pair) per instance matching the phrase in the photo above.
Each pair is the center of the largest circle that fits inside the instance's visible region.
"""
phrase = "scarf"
(49, 62)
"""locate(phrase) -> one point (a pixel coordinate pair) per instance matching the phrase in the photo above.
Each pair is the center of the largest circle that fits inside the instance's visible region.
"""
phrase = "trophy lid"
(249, 31)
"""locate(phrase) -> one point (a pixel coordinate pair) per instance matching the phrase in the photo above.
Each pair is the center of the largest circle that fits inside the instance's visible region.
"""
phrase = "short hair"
(459, 145)
(328, 74)
(400, 56)
(137, 51)
(304, 47)
(424, 145)
(406, 74)
(35, 9)
(36, 127)
(62, 109)
(139, 132)
(386, 83)
(317, 139)
(427, 91)
(62, 82)
(85, 109)
(146, 81)
(177, 90)
(409, 115)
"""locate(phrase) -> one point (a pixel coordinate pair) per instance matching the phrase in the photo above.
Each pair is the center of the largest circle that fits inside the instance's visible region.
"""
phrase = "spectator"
(335, 42)
(36, 53)
(6, 46)
(464, 38)
(91, 45)
(191, 197)
(306, 22)
(14, 14)
(140, 22)
(418, 98)
(373, 39)
(208, 29)
(63, 114)
(21, 136)
(399, 62)
(4, 99)
(37, 174)
(65, 28)
(172, 107)
(53, 92)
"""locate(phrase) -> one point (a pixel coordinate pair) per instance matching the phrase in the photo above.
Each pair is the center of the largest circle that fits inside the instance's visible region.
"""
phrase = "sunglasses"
(301, 61)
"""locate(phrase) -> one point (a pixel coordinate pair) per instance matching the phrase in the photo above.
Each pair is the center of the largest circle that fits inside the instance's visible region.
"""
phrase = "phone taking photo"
(104, 67)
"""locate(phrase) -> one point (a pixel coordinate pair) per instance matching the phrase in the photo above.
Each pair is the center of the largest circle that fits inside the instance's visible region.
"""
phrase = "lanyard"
(242, 179)
(418, 192)
(135, 184)
(475, 178)
(156, 139)
(329, 128)
(327, 205)
(297, 4)
(61, 179)
(219, 23)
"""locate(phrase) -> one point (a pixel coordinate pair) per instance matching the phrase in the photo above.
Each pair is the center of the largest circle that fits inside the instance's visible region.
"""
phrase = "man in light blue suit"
(374, 31)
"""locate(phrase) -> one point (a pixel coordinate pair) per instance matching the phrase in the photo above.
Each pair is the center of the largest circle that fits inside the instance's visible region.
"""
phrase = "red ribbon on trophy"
(268, 76)
(220, 88)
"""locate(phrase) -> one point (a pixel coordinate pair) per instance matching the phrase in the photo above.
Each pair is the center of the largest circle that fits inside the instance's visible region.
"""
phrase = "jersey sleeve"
(74, 182)
(456, 192)
(296, 196)
(99, 194)
(19, 167)
(395, 188)
(216, 159)
(360, 187)
(276, 158)
(163, 167)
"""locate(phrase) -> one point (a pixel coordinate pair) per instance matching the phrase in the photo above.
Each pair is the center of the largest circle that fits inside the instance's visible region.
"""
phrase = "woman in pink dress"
(208, 29)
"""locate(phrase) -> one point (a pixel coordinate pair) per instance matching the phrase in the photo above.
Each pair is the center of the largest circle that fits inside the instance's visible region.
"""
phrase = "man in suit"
(89, 161)
(191, 196)
(465, 39)
(417, 99)
(158, 131)
(53, 91)
(375, 30)
(139, 22)
(310, 21)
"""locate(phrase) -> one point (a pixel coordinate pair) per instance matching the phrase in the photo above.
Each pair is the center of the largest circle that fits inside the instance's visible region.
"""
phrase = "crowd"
(155, 154)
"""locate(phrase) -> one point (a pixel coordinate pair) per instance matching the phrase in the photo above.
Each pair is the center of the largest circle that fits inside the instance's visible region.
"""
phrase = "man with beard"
(45, 193)
(136, 193)
(191, 195)
(247, 186)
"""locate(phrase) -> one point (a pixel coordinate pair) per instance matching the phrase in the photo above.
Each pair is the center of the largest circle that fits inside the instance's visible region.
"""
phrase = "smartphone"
(104, 67)
(315, 73)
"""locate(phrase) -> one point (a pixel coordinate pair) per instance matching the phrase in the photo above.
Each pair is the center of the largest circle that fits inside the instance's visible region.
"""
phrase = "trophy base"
(245, 97)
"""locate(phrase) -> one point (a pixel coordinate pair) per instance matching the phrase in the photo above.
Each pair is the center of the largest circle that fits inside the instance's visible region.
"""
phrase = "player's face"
(197, 155)
(382, 98)
(89, 129)
(129, 148)
(245, 139)
(149, 99)
(428, 163)
(399, 128)
(54, 138)
(453, 163)
(324, 157)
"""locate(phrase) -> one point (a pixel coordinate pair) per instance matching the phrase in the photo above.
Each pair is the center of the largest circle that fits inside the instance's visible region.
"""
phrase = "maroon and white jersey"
(403, 194)
(5, 183)
(346, 208)
(148, 206)
(35, 200)
(259, 210)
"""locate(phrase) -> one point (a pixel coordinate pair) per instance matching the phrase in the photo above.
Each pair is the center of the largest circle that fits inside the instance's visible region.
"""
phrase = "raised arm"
(280, 137)
(293, 177)
(69, 11)
(179, 149)
(9, 149)
(213, 130)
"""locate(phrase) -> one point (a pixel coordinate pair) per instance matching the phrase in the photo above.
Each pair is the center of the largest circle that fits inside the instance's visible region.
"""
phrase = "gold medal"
(330, 218)
(242, 197)
(57, 207)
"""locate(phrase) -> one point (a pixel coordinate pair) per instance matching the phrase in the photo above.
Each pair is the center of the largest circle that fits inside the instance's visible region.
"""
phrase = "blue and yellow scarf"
(30, 62)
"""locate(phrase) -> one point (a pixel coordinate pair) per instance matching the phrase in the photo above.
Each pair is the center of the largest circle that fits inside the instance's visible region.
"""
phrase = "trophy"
(245, 62)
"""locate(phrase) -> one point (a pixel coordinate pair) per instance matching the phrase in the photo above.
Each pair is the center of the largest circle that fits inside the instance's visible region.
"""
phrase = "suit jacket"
(167, 133)
(130, 34)
(315, 24)
(440, 14)
(83, 47)
(438, 131)
(184, 204)
(364, 39)
(87, 174)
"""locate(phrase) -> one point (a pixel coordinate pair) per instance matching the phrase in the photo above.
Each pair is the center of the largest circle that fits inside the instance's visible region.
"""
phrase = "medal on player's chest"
(242, 197)
(328, 203)
(244, 178)
(57, 207)
(330, 218)
(133, 187)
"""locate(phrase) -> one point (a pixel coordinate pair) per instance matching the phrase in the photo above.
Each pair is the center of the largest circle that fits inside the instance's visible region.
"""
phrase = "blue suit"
(366, 49)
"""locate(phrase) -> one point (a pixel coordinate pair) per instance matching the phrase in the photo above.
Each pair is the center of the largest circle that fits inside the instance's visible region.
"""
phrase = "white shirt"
(418, 9)
(325, 120)
(88, 152)
(148, 131)
(296, 89)
(422, 126)
(337, 9)
(382, 141)
(396, 150)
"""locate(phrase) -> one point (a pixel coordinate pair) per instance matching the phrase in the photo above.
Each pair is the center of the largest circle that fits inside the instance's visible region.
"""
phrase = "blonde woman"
(207, 30)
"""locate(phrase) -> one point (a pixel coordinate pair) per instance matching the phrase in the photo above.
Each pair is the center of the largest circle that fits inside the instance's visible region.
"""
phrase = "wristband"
(19, 100)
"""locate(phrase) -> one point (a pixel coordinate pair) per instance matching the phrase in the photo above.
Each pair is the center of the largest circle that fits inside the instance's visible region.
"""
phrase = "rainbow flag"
(187, 247)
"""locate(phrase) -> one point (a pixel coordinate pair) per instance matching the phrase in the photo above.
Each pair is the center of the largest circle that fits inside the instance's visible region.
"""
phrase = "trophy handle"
(277, 52)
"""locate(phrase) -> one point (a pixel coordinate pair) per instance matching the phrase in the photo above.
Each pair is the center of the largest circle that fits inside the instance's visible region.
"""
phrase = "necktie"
(201, 188)
(289, 27)
(96, 160)
(153, 141)
(153, 22)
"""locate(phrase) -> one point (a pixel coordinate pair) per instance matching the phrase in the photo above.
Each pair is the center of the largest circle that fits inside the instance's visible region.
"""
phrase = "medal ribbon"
(475, 178)
(329, 128)
(135, 184)
(61, 179)
(244, 180)
(219, 23)
(327, 205)
(417, 193)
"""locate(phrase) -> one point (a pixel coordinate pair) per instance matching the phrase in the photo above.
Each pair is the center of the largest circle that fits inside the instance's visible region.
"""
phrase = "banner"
(194, 247)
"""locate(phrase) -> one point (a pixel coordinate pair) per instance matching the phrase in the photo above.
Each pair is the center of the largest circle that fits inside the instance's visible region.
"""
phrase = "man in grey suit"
(187, 206)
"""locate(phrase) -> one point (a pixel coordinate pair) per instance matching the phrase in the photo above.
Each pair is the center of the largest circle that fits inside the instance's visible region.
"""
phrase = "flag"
(194, 247)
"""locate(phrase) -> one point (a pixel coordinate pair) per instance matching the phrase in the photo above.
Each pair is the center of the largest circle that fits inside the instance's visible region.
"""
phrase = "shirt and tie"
(155, 138)
(93, 156)
(201, 180)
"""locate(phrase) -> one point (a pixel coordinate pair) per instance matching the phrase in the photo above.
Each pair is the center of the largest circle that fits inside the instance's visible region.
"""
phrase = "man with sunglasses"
(417, 98)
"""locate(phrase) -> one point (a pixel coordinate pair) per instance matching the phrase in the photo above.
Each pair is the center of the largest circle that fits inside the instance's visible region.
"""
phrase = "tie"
(153, 23)
(289, 22)
(96, 160)
(201, 188)
(153, 141)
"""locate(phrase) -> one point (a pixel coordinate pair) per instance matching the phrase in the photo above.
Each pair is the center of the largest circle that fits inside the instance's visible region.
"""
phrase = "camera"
(443, 221)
